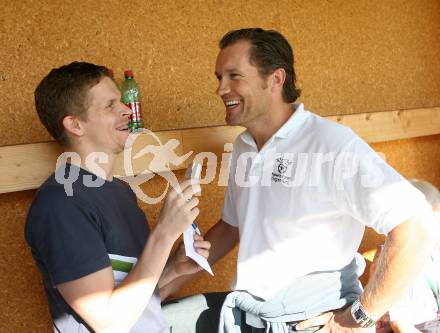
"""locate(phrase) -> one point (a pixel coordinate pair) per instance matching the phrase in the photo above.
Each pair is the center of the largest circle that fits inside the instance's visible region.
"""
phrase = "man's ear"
(73, 126)
(277, 79)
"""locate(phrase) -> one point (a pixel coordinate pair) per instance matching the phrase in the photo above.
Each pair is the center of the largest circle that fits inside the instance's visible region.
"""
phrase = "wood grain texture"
(23, 302)
(351, 56)
(392, 125)
(25, 167)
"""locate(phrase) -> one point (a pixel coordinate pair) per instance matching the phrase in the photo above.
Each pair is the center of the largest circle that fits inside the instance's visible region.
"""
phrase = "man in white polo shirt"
(301, 191)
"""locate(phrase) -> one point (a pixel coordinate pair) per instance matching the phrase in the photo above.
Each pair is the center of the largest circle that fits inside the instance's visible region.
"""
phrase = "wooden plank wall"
(24, 167)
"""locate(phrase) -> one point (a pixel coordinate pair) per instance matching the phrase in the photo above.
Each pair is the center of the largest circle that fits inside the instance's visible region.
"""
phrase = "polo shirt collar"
(292, 125)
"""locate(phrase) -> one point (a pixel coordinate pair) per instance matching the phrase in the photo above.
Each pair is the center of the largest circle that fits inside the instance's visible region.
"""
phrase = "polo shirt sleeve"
(373, 192)
(229, 214)
(64, 233)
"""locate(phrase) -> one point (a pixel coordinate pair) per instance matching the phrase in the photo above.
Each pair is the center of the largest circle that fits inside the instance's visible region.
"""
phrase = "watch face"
(358, 314)
(361, 318)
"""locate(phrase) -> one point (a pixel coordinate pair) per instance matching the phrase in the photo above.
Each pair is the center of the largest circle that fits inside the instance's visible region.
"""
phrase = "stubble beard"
(235, 119)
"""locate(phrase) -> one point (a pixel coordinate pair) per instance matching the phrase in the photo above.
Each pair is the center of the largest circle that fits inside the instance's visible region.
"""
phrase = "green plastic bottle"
(131, 97)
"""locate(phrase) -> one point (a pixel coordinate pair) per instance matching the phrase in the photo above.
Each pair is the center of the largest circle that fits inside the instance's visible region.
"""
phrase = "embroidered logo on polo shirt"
(283, 163)
(280, 174)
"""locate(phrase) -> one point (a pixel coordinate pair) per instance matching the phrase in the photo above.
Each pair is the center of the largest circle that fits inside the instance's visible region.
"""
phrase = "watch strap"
(360, 315)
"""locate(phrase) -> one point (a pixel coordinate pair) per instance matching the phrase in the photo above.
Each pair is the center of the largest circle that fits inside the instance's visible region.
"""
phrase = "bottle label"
(135, 121)
(136, 108)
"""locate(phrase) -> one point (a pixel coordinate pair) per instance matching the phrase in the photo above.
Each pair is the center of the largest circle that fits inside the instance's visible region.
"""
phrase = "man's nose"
(125, 111)
(223, 88)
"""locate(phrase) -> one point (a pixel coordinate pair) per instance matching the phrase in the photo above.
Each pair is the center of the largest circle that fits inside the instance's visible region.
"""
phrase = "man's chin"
(232, 121)
(127, 141)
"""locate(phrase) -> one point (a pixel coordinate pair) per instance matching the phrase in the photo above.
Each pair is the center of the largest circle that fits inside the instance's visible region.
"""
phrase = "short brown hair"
(63, 92)
(269, 51)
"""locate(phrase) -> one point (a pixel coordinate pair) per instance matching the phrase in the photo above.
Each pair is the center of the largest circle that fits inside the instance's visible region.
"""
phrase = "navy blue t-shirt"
(73, 234)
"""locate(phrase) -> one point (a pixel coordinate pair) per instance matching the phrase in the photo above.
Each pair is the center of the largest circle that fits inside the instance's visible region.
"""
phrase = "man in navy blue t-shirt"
(102, 268)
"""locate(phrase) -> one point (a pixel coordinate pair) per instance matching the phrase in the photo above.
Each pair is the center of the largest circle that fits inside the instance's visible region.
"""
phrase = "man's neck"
(272, 122)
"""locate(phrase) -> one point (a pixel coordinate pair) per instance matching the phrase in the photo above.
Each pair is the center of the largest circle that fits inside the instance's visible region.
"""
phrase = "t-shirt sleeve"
(372, 191)
(64, 233)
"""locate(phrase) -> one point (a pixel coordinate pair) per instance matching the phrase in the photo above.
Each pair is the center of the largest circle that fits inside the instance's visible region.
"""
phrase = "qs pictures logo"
(145, 157)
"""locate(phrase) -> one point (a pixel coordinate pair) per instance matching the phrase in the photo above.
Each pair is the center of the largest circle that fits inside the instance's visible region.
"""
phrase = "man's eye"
(235, 76)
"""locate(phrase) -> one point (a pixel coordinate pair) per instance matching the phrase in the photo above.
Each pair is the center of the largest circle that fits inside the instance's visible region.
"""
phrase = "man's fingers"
(192, 185)
(315, 321)
(193, 202)
(203, 253)
(201, 244)
(194, 213)
(188, 193)
(182, 186)
(198, 237)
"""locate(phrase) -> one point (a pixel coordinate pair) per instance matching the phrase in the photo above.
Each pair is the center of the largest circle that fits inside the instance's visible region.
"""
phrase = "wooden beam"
(24, 167)
(392, 125)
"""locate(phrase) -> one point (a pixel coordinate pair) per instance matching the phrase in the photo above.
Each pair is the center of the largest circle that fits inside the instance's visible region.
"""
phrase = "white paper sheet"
(194, 171)
(190, 251)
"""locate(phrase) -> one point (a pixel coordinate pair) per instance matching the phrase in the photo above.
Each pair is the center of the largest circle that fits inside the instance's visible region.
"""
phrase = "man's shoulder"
(324, 135)
(53, 196)
(51, 189)
(326, 126)
(54, 189)
(53, 207)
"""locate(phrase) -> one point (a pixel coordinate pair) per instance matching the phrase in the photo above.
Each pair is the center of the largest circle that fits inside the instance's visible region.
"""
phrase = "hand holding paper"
(194, 172)
(190, 251)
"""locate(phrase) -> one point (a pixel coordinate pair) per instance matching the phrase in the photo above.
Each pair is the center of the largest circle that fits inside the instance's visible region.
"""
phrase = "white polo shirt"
(301, 203)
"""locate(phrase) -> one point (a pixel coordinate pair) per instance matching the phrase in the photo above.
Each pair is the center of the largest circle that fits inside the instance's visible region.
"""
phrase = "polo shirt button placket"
(256, 167)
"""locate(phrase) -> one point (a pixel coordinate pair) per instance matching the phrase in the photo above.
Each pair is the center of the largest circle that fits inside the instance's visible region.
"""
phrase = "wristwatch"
(360, 315)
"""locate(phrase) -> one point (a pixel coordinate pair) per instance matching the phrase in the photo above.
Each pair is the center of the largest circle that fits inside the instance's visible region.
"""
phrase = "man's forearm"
(129, 299)
(223, 238)
(170, 282)
(109, 309)
(406, 250)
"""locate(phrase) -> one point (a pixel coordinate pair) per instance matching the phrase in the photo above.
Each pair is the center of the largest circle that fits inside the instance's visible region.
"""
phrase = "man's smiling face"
(241, 87)
(106, 123)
